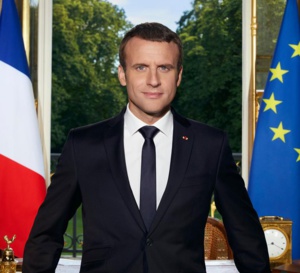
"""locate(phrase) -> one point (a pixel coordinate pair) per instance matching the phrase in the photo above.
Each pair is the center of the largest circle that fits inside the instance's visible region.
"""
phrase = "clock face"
(276, 242)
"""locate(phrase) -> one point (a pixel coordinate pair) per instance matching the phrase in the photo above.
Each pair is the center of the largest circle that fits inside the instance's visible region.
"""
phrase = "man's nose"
(153, 78)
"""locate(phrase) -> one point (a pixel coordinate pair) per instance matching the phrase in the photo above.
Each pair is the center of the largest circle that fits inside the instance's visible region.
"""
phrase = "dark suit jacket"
(92, 171)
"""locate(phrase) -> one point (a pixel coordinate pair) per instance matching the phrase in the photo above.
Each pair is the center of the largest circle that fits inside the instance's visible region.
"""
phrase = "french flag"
(22, 182)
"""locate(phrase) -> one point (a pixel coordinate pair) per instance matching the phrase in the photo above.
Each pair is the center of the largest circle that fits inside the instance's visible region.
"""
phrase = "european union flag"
(274, 185)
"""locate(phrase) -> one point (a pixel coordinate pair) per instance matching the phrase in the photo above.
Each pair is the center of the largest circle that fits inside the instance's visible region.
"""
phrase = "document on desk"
(68, 266)
(65, 261)
(220, 266)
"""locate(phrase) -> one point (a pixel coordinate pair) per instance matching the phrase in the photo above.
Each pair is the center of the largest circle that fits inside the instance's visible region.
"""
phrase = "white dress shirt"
(133, 143)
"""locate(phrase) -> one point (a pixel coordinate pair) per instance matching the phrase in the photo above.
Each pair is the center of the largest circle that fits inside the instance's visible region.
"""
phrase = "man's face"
(151, 77)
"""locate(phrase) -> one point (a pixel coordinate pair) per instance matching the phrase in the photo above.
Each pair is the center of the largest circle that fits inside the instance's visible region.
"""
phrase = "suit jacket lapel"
(114, 145)
(182, 146)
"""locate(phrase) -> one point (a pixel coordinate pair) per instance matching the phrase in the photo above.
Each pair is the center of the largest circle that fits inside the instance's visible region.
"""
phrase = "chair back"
(216, 245)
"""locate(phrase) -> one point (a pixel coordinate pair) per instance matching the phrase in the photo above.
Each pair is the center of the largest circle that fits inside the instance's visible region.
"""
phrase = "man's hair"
(154, 32)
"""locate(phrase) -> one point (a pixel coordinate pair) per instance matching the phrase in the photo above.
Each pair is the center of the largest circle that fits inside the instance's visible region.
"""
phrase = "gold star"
(271, 103)
(298, 151)
(297, 50)
(279, 132)
(278, 73)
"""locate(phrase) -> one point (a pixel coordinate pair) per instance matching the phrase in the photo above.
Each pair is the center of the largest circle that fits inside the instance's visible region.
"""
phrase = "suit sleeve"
(243, 228)
(45, 243)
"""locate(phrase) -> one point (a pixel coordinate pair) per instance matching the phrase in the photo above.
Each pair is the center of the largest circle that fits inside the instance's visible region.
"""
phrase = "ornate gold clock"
(278, 233)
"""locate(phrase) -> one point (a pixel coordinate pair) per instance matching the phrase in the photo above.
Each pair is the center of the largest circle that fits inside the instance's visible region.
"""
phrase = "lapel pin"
(185, 138)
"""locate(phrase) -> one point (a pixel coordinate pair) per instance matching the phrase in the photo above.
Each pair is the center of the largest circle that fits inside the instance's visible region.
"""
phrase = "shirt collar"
(133, 124)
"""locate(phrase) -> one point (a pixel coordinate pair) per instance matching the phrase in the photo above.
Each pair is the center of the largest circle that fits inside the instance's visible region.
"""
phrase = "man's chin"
(157, 113)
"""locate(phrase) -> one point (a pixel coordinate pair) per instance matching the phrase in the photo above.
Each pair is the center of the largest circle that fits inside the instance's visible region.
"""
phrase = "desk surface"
(290, 268)
(212, 266)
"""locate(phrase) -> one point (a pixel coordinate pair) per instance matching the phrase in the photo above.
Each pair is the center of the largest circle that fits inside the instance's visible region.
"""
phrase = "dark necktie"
(148, 176)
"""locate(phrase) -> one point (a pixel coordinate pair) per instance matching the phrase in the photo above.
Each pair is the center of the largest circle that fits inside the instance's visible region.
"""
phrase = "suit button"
(149, 242)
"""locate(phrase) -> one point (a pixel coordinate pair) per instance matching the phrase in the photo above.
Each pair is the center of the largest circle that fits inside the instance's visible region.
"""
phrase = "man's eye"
(164, 68)
(140, 68)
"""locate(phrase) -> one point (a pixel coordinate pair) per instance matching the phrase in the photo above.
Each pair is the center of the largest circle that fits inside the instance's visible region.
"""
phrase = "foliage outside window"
(85, 87)
(269, 16)
(211, 90)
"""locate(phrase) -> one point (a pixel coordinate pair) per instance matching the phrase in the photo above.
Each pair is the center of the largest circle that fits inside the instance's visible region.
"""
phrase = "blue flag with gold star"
(274, 184)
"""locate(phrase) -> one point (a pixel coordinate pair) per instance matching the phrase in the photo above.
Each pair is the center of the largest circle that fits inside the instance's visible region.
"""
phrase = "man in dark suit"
(100, 168)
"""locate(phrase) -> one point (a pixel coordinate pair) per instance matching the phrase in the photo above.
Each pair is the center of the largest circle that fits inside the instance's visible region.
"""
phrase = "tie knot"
(149, 132)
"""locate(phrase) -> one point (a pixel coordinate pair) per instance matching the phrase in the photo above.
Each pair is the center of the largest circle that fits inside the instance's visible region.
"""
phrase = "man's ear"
(179, 76)
(121, 75)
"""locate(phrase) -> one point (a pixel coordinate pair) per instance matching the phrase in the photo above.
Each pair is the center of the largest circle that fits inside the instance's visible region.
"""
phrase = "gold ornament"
(8, 263)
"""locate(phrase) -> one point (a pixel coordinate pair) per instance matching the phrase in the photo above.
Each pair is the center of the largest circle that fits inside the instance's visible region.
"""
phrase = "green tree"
(269, 16)
(85, 87)
(212, 76)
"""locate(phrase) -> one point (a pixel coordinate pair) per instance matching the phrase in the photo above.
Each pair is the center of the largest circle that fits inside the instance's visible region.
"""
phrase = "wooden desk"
(288, 268)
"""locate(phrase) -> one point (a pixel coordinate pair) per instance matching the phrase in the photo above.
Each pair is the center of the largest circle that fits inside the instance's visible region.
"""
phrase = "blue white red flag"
(22, 182)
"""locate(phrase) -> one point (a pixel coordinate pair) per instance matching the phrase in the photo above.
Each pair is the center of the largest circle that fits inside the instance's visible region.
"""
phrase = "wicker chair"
(216, 246)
